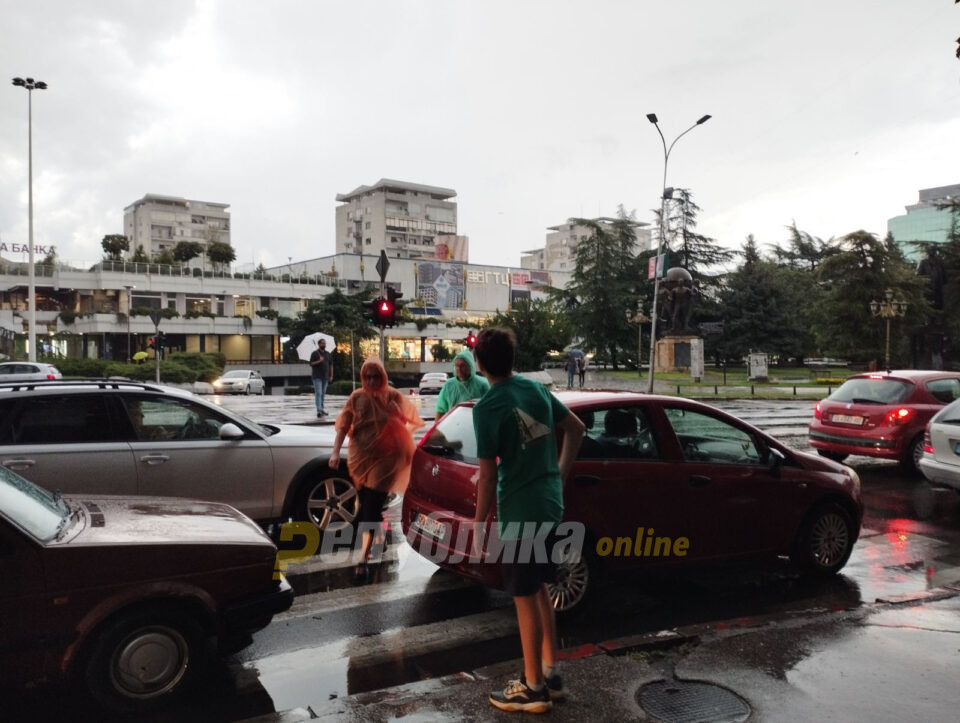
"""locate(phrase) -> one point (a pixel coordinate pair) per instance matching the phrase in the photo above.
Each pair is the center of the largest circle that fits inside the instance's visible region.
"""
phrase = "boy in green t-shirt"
(515, 421)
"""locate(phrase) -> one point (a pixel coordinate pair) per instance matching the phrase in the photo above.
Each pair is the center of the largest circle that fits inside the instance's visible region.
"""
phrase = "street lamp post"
(30, 84)
(888, 308)
(129, 288)
(652, 117)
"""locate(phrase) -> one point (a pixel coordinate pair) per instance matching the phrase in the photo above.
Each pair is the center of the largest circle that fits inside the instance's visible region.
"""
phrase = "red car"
(882, 414)
(122, 594)
(659, 481)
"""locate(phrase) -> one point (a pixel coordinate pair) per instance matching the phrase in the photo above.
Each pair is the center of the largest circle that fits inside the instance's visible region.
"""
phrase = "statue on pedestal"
(676, 297)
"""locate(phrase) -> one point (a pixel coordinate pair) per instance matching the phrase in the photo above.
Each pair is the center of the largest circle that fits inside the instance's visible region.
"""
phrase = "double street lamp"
(30, 85)
(888, 308)
(652, 117)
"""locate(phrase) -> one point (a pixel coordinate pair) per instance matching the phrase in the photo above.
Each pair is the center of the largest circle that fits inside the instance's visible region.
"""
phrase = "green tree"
(221, 253)
(164, 257)
(691, 250)
(804, 251)
(540, 325)
(604, 287)
(51, 258)
(114, 245)
(185, 251)
(860, 271)
(140, 256)
(337, 314)
(762, 305)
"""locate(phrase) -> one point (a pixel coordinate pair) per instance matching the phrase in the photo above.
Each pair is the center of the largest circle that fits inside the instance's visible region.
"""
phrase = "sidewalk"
(889, 660)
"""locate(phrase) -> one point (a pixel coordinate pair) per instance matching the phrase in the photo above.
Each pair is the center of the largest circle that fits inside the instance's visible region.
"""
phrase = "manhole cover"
(691, 702)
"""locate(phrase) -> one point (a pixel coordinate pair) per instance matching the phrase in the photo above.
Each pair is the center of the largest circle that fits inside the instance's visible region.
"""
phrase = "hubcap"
(150, 663)
(332, 500)
(573, 578)
(829, 539)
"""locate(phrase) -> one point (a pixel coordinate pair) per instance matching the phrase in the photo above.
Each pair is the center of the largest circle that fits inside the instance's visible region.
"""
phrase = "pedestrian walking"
(465, 385)
(380, 422)
(582, 369)
(321, 371)
(516, 445)
(570, 367)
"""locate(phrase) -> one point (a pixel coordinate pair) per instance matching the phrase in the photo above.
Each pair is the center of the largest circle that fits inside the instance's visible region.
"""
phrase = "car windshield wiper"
(67, 520)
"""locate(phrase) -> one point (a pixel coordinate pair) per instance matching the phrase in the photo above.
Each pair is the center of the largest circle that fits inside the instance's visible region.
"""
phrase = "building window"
(366, 225)
(367, 242)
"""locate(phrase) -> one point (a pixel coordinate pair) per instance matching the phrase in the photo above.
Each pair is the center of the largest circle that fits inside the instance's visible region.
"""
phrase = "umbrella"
(140, 356)
(311, 342)
(575, 353)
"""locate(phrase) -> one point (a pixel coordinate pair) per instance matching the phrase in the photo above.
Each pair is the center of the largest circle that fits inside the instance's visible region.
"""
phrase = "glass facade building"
(924, 222)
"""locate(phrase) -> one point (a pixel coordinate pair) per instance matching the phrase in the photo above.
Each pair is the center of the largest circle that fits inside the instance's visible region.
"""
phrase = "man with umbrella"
(321, 369)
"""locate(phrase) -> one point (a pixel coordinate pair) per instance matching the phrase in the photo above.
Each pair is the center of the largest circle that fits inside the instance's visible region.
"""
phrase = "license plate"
(847, 419)
(429, 526)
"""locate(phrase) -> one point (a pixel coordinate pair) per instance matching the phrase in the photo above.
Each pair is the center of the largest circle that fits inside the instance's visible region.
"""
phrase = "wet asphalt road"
(415, 623)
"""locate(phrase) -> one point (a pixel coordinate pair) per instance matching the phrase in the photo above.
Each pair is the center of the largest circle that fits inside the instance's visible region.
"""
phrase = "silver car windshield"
(42, 514)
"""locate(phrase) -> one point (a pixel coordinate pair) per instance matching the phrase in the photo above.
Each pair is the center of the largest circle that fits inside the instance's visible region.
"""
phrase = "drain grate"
(677, 701)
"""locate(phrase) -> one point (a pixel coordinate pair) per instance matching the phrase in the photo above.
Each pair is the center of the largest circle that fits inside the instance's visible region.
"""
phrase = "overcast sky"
(829, 113)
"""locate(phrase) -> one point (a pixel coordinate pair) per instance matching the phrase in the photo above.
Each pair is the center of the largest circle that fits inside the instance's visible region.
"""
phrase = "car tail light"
(927, 442)
(901, 415)
(50, 377)
(817, 414)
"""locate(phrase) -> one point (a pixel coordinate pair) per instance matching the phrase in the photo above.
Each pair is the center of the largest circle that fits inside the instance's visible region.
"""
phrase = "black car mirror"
(775, 459)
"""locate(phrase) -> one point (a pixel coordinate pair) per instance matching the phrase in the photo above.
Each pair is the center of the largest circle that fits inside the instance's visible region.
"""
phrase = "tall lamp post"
(31, 85)
(129, 288)
(652, 117)
(888, 308)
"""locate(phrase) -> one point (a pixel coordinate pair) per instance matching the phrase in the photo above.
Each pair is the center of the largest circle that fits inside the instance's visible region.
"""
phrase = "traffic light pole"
(157, 351)
(383, 346)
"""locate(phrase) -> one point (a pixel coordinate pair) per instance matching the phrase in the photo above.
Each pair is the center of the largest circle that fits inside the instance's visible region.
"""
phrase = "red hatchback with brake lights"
(881, 414)
(658, 481)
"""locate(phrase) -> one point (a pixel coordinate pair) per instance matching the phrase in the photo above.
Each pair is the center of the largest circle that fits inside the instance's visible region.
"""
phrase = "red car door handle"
(586, 480)
(699, 480)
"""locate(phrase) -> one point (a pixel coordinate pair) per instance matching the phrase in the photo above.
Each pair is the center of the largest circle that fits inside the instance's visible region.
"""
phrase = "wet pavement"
(878, 642)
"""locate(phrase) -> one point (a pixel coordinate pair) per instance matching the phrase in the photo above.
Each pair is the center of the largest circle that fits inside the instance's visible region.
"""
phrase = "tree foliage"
(604, 287)
(695, 252)
(185, 251)
(337, 314)
(541, 326)
(139, 255)
(221, 253)
(114, 245)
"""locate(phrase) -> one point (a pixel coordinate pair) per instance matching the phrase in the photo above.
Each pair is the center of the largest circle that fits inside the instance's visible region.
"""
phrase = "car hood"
(302, 435)
(111, 520)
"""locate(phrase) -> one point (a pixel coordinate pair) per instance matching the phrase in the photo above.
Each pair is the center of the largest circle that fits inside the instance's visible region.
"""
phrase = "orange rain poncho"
(379, 422)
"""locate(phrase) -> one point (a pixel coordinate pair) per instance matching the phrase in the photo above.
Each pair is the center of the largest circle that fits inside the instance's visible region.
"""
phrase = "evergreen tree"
(541, 326)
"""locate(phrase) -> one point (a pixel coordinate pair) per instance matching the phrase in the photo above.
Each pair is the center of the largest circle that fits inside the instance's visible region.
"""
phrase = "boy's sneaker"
(555, 687)
(518, 696)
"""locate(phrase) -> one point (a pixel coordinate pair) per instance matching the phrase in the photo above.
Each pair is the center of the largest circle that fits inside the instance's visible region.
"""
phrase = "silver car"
(240, 381)
(940, 462)
(28, 372)
(113, 437)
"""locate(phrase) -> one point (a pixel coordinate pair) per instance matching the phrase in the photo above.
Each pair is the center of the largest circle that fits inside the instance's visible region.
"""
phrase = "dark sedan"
(659, 481)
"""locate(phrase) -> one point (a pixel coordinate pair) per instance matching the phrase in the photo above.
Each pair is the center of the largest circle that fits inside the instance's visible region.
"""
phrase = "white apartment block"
(559, 252)
(159, 223)
(407, 220)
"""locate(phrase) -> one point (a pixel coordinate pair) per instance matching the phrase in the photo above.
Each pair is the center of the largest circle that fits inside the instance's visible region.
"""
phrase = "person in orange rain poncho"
(380, 421)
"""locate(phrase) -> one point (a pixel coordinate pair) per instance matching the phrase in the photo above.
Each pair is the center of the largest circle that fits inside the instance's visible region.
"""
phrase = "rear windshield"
(454, 437)
(872, 391)
(949, 415)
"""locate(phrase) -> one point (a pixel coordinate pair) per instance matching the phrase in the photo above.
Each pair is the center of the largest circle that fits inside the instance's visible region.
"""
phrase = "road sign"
(155, 317)
(383, 265)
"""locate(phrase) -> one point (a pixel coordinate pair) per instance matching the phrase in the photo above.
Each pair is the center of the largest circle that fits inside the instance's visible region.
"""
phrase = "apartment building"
(559, 251)
(159, 223)
(407, 220)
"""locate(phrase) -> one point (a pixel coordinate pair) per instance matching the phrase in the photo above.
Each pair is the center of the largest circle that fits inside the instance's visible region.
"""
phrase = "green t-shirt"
(515, 421)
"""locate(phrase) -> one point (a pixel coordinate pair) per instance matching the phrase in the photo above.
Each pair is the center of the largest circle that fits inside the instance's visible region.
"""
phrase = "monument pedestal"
(679, 352)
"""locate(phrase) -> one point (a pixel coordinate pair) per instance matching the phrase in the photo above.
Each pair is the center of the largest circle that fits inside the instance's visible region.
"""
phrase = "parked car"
(121, 594)
(940, 462)
(881, 414)
(28, 372)
(240, 381)
(713, 487)
(130, 438)
(432, 382)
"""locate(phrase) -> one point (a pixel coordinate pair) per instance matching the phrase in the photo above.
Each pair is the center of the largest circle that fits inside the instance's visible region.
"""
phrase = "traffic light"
(152, 342)
(370, 310)
(161, 341)
(395, 298)
(385, 313)
(471, 340)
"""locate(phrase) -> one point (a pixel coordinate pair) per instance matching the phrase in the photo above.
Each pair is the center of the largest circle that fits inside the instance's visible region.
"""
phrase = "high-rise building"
(407, 220)
(925, 221)
(559, 252)
(159, 223)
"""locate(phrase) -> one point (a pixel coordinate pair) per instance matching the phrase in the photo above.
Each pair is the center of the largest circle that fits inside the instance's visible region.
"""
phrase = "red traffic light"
(386, 307)
(152, 342)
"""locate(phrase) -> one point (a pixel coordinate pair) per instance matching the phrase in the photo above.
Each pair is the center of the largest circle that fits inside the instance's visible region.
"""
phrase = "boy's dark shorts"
(521, 579)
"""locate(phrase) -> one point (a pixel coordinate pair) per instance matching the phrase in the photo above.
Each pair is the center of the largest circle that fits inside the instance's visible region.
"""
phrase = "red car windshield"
(454, 437)
(872, 391)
